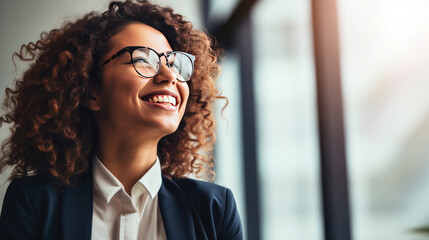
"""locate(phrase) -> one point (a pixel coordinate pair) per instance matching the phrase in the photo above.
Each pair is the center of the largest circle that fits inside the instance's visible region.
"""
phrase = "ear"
(93, 102)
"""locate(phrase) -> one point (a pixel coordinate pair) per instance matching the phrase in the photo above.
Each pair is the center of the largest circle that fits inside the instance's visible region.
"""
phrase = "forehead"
(139, 34)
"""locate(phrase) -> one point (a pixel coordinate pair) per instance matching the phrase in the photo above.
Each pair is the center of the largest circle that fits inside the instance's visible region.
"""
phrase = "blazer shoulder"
(201, 189)
(34, 184)
(26, 205)
(214, 205)
(35, 180)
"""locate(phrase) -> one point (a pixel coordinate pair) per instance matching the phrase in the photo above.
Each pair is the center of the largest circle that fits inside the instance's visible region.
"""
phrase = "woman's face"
(126, 99)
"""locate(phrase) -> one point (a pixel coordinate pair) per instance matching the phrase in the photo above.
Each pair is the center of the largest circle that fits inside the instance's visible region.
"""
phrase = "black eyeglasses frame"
(130, 50)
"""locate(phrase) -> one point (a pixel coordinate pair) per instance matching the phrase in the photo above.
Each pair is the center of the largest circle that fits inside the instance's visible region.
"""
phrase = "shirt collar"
(107, 185)
(152, 180)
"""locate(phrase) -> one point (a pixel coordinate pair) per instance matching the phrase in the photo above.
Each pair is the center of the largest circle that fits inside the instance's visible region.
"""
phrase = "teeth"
(163, 99)
(172, 100)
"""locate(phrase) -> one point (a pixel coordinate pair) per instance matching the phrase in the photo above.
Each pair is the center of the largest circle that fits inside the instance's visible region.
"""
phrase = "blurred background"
(327, 128)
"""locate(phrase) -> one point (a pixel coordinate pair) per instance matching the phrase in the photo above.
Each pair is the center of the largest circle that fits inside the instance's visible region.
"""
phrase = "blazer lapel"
(76, 218)
(175, 211)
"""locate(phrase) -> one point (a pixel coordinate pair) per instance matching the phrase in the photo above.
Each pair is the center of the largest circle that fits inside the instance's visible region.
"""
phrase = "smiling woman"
(110, 118)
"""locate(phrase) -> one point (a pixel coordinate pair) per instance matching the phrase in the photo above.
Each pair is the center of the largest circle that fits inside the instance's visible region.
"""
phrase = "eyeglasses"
(147, 62)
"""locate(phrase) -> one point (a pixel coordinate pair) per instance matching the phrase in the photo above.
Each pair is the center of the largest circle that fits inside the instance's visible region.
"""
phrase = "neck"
(126, 157)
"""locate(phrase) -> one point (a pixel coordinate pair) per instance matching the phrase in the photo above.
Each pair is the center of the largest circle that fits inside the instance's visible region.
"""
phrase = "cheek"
(184, 88)
(184, 93)
(121, 83)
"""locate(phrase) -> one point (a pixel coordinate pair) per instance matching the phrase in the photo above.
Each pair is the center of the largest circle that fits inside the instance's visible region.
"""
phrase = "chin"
(167, 129)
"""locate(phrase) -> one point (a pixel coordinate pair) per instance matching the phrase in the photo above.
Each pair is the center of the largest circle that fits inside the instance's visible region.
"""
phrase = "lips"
(162, 97)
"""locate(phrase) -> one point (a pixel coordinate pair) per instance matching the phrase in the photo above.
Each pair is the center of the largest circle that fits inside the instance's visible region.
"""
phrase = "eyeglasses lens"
(181, 65)
(146, 62)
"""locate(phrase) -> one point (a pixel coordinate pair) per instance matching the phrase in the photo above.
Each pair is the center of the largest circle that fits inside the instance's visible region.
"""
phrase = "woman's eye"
(140, 60)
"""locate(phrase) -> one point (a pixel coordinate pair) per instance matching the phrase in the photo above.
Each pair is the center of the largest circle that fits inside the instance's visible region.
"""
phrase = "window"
(385, 51)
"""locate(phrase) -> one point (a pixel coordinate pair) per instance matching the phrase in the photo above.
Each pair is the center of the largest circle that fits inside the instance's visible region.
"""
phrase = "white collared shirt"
(116, 215)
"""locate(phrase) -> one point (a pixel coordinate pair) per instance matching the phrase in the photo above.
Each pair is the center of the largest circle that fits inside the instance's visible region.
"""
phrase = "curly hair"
(52, 130)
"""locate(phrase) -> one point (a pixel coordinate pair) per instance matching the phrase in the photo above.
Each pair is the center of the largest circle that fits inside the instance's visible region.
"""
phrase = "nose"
(165, 75)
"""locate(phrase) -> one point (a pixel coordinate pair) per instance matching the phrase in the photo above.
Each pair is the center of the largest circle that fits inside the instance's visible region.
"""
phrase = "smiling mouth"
(161, 99)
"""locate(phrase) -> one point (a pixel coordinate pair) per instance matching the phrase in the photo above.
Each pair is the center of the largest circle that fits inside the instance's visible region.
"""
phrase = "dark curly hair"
(52, 130)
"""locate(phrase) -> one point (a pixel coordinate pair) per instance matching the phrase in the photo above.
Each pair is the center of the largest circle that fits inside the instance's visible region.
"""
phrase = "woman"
(107, 122)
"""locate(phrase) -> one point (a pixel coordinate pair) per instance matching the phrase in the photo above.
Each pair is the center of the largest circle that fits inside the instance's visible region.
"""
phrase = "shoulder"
(26, 201)
(33, 185)
(196, 188)
(39, 180)
(213, 204)
(31, 192)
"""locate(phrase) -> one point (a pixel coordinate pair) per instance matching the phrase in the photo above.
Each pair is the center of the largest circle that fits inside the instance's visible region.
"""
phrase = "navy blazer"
(35, 208)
